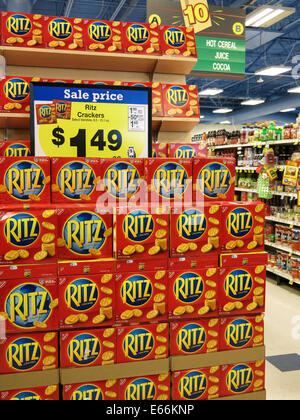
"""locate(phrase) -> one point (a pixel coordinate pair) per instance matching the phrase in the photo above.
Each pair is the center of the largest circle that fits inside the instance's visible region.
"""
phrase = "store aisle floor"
(282, 338)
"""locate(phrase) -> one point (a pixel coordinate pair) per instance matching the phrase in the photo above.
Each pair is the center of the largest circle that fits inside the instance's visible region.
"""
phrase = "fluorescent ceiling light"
(202, 116)
(222, 111)
(211, 92)
(266, 16)
(257, 15)
(225, 122)
(252, 102)
(294, 90)
(288, 110)
(273, 70)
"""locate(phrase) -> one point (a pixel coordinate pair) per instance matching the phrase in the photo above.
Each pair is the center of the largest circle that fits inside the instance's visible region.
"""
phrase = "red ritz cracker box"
(22, 30)
(242, 225)
(91, 391)
(29, 305)
(141, 296)
(46, 114)
(24, 180)
(214, 179)
(142, 38)
(74, 180)
(211, 261)
(121, 181)
(181, 101)
(169, 180)
(64, 33)
(63, 109)
(26, 352)
(194, 337)
(196, 384)
(142, 342)
(104, 36)
(41, 393)
(85, 233)
(242, 378)
(157, 106)
(74, 268)
(195, 231)
(14, 94)
(178, 41)
(83, 348)
(241, 332)
(160, 150)
(141, 233)
(145, 388)
(187, 150)
(16, 148)
(86, 301)
(193, 293)
(27, 271)
(27, 236)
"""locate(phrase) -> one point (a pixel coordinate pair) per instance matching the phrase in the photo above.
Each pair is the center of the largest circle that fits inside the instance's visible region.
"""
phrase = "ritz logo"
(75, 179)
(18, 25)
(191, 338)
(138, 225)
(28, 303)
(185, 152)
(26, 396)
(23, 354)
(81, 294)
(24, 179)
(175, 37)
(239, 378)
(136, 290)
(121, 180)
(87, 392)
(188, 287)
(22, 230)
(192, 385)
(239, 222)
(138, 344)
(214, 179)
(238, 284)
(177, 96)
(60, 28)
(17, 150)
(238, 333)
(191, 224)
(141, 389)
(84, 349)
(45, 112)
(16, 90)
(100, 32)
(61, 108)
(137, 34)
(84, 231)
(170, 179)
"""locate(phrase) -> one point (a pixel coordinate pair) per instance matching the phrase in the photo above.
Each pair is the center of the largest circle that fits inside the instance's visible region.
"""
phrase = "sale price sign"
(90, 121)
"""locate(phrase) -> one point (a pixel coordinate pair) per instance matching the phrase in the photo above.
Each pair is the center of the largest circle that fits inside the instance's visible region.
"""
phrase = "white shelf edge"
(282, 248)
(283, 194)
(280, 273)
(256, 144)
(284, 221)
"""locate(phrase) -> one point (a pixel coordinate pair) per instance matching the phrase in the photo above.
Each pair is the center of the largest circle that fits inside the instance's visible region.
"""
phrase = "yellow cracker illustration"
(48, 237)
(108, 332)
(40, 256)
(160, 274)
(161, 327)
(152, 314)
(49, 360)
(49, 337)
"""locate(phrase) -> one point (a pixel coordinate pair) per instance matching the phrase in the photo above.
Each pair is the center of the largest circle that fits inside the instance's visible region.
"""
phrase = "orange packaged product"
(142, 388)
(103, 36)
(40, 393)
(178, 41)
(17, 148)
(196, 384)
(91, 391)
(181, 101)
(64, 33)
(142, 38)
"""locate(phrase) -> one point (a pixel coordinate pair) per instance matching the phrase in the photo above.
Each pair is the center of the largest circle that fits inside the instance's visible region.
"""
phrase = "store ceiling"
(277, 45)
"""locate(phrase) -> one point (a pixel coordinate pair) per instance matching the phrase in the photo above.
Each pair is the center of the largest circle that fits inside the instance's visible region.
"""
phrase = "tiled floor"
(282, 338)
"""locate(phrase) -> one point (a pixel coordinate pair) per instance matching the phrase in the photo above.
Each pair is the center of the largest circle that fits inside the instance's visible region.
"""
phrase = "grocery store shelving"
(283, 221)
(256, 144)
(282, 274)
(14, 120)
(282, 248)
(282, 194)
(253, 168)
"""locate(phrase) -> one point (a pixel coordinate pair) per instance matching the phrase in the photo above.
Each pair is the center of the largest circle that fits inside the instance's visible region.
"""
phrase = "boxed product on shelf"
(22, 30)
(160, 150)
(29, 305)
(104, 36)
(142, 388)
(28, 271)
(14, 94)
(187, 150)
(92, 391)
(242, 378)
(194, 336)
(141, 232)
(157, 106)
(29, 352)
(142, 342)
(74, 180)
(180, 101)
(86, 301)
(142, 38)
(84, 232)
(28, 236)
(241, 332)
(24, 180)
(169, 180)
(195, 231)
(196, 384)
(40, 393)
(214, 179)
(64, 33)
(88, 347)
(242, 225)
(178, 41)
(16, 148)
(104, 266)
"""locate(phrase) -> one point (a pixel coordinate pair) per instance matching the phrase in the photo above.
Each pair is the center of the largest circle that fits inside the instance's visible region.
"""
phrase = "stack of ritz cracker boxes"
(129, 279)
